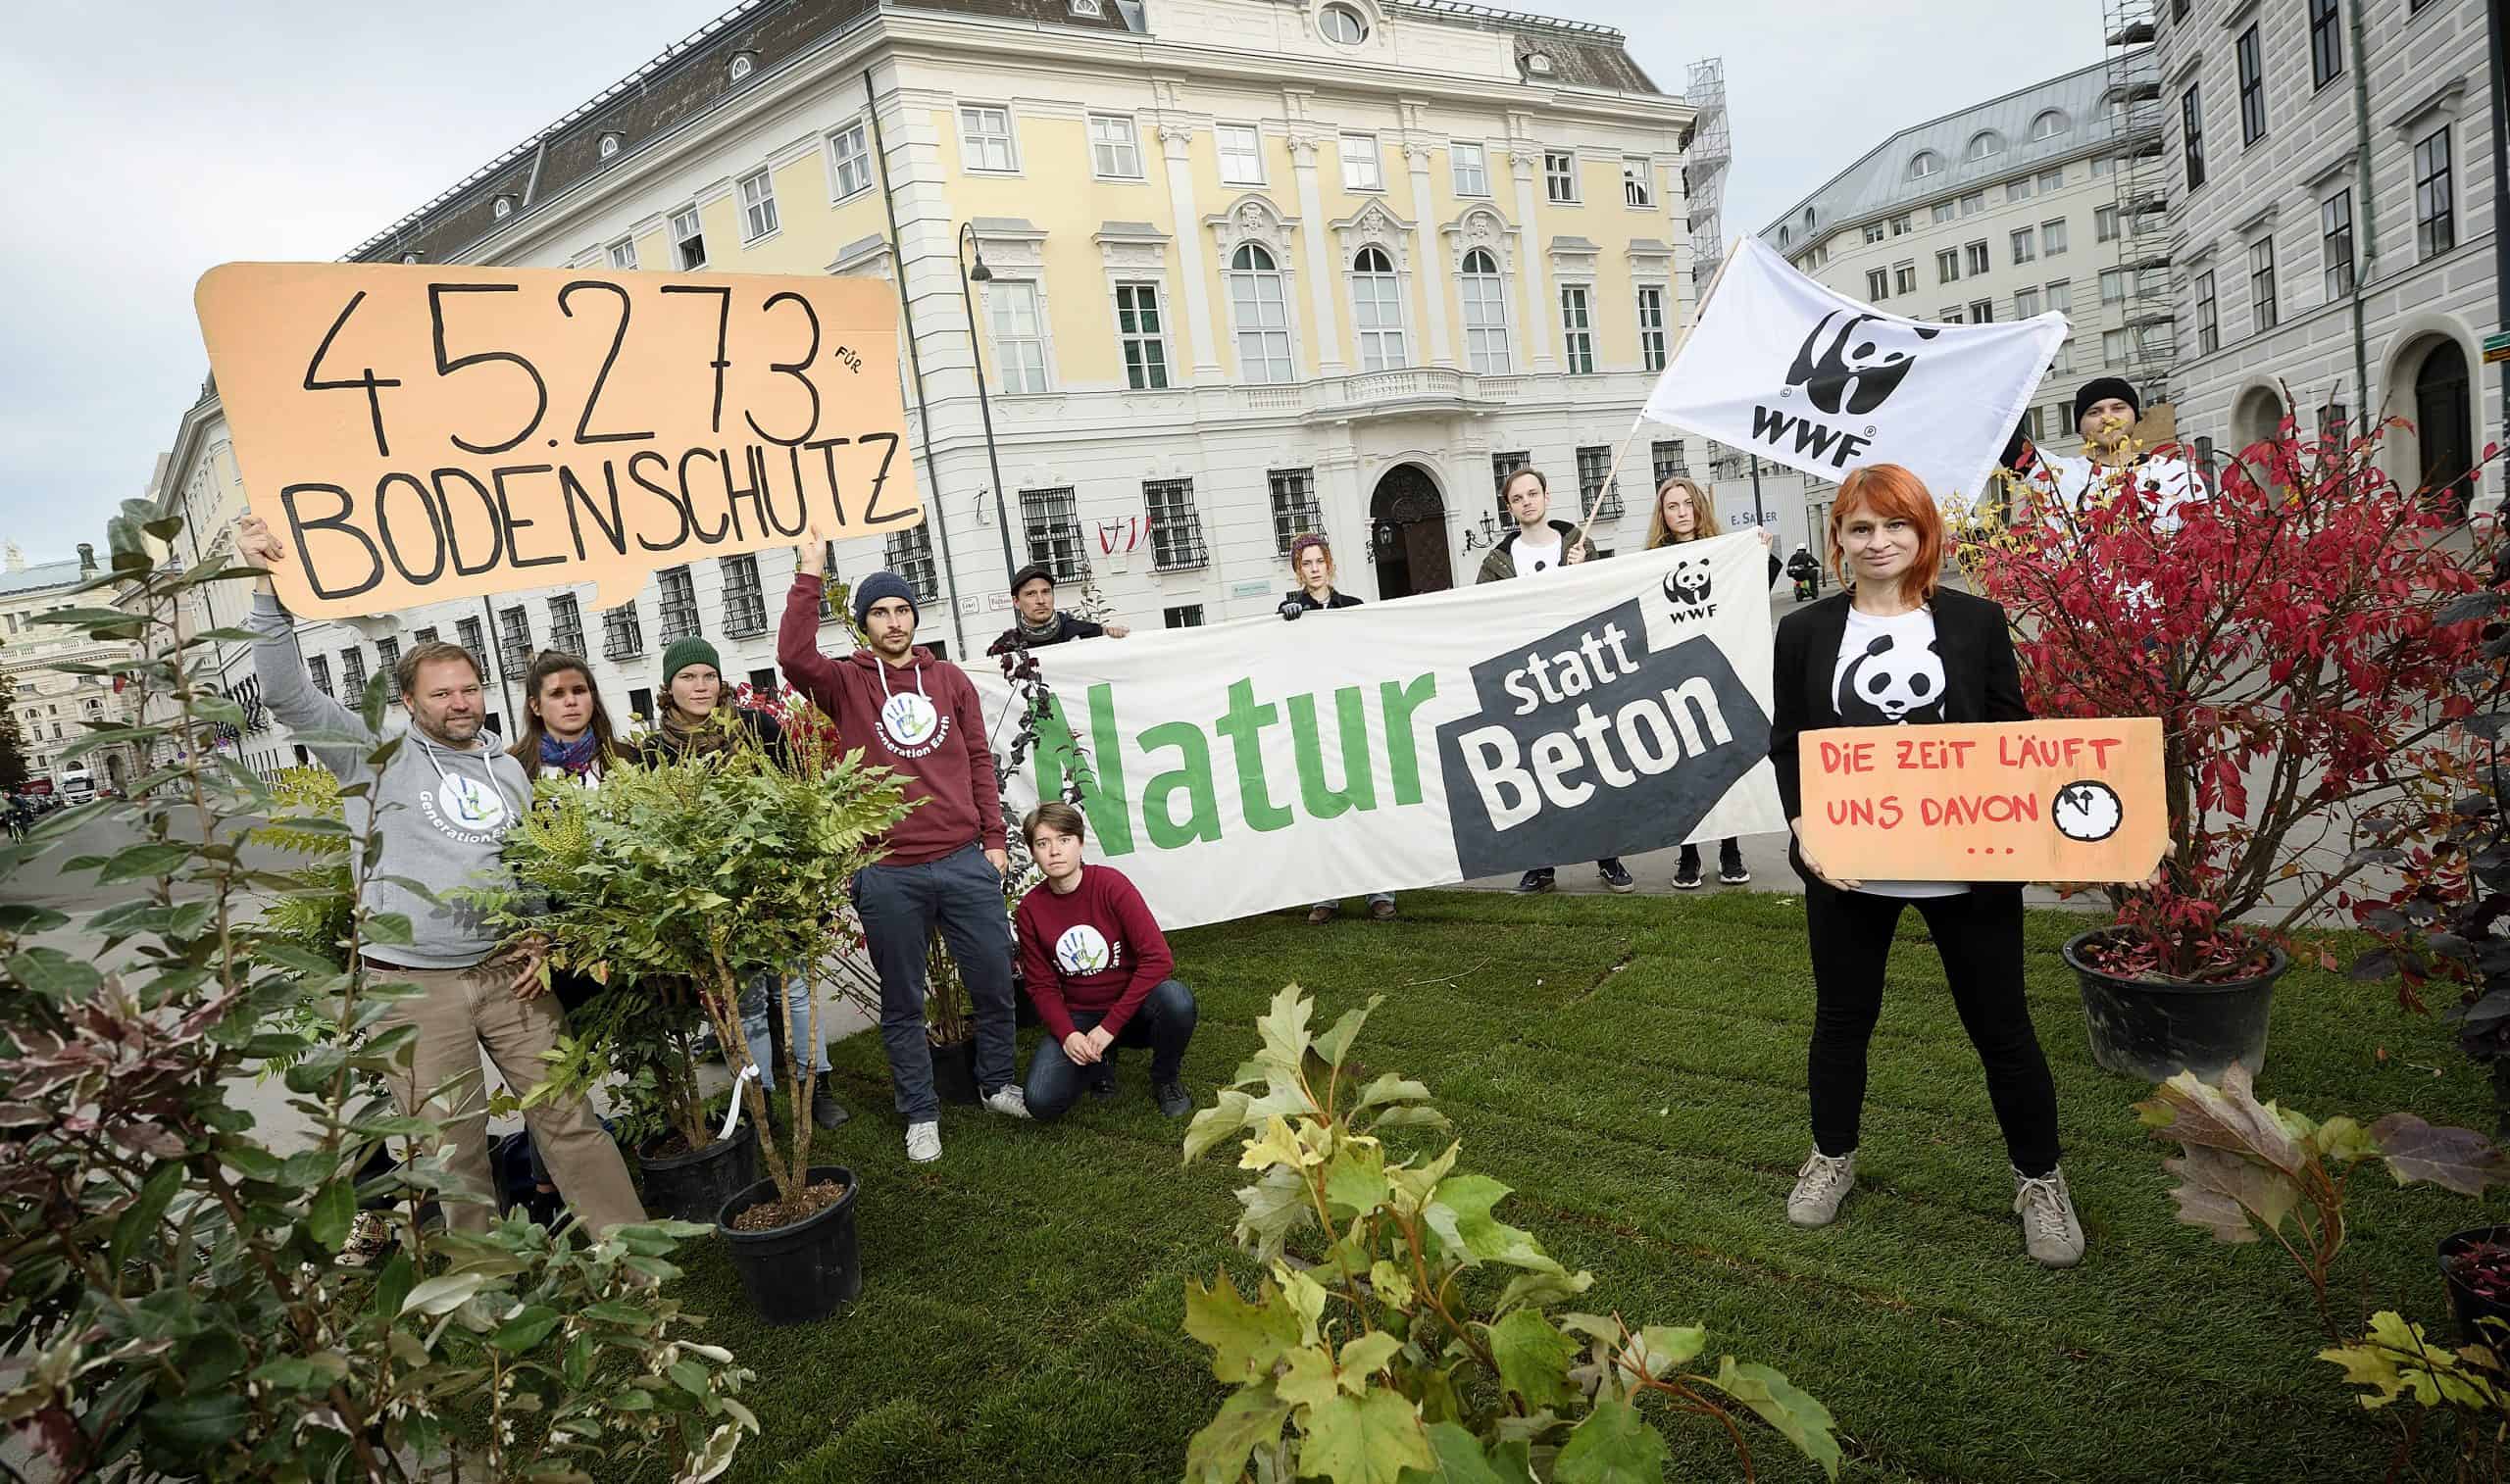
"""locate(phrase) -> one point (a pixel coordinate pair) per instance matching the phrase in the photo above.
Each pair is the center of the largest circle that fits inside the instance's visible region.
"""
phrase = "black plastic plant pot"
(954, 1071)
(794, 1274)
(693, 1186)
(2469, 1307)
(2153, 1029)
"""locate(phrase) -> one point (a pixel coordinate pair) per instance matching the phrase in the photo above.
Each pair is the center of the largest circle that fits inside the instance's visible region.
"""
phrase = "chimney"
(86, 558)
(14, 558)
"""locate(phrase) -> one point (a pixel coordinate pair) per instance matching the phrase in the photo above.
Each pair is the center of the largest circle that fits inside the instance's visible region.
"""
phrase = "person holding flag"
(1679, 518)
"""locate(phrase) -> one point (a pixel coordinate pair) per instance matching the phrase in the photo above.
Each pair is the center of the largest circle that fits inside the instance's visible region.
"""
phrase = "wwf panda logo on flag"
(1852, 363)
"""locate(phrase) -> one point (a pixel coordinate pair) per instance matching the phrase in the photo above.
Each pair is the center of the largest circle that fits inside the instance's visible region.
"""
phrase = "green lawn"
(1634, 1067)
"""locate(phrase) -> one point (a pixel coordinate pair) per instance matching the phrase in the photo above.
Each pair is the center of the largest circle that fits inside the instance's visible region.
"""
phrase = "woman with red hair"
(1896, 648)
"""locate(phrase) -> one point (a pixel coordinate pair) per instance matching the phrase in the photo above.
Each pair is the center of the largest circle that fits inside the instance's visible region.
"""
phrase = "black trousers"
(1978, 936)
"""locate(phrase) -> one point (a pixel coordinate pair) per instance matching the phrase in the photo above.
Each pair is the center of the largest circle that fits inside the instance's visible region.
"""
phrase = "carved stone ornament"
(1483, 227)
(1253, 218)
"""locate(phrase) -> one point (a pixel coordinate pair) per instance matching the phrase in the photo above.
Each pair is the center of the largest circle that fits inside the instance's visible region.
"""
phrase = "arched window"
(609, 145)
(2049, 125)
(1924, 162)
(1341, 24)
(1376, 311)
(1808, 222)
(743, 63)
(1486, 315)
(503, 207)
(1986, 144)
(1263, 315)
(1784, 235)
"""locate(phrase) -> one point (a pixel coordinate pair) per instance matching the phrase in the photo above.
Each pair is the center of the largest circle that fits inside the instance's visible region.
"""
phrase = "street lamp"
(984, 402)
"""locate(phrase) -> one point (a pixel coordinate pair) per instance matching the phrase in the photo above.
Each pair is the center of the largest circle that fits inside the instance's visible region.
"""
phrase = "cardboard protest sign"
(415, 432)
(1987, 800)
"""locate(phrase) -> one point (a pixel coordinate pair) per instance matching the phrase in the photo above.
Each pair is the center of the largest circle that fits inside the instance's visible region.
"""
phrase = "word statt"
(1987, 800)
(415, 433)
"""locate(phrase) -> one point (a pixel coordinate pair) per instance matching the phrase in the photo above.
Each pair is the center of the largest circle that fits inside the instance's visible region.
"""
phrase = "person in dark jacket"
(1896, 648)
(1538, 546)
(1038, 623)
(1313, 559)
(1682, 513)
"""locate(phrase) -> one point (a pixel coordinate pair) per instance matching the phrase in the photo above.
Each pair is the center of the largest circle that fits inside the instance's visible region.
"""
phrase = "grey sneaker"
(2050, 1230)
(1819, 1186)
(1009, 1099)
(924, 1142)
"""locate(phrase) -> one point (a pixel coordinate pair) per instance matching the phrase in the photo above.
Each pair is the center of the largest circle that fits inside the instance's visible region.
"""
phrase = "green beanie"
(685, 652)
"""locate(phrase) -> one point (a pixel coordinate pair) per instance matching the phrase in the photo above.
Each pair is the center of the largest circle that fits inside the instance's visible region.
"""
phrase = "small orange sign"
(417, 432)
(1987, 801)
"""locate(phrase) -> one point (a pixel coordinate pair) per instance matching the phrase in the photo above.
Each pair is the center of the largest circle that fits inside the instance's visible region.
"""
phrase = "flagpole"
(1585, 517)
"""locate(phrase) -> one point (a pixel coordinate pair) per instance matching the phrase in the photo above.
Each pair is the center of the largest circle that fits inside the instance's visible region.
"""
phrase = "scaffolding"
(2140, 173)
(1706, 154)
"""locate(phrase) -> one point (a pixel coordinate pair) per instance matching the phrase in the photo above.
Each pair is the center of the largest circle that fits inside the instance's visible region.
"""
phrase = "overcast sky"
(148, 141)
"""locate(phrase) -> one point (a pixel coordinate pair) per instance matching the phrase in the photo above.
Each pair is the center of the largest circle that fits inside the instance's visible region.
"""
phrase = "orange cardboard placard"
(1987, 800)
(414, 433)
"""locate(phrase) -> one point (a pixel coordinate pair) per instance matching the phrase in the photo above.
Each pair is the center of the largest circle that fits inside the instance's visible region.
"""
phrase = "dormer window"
(503, 207)
(1344, 25)
(1087, 8)
(1923, 164)
(609, 144)
(409, 257)
(743, 63)
(1539, 63)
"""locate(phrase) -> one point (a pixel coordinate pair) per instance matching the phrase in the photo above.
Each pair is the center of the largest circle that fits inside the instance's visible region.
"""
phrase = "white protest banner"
(1799, 373)
(1620, 706)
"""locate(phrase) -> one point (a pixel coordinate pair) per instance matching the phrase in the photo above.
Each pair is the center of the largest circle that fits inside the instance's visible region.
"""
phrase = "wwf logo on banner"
(1852, 363)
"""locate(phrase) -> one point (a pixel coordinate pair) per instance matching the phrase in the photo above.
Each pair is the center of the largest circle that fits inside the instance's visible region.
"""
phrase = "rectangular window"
(1947, 266)
(1018, 336)
(1115, 147)
(2113, 347)
(1578, 329)
(2192, 121)
(353, 672)
(1904, 278)
(1878, 283)
(2112, 286)
(1471, 167)
(1175, 530)
(909, 553)
(641, 704)
(2335, 244)
(1872, 233)
(514, 639)
(2063, 363)
(2326, 43)
(1501, 467)
(425, 636)
(1186, 616)
(566, 626)
(623, 253)
(1942, 212)
(1600, 500)
(2209, 322)
(2016, 191)
(2104, 223)
(1974, 202)
(1242, 154)
(2436, 210)
(2061, 296)
(317, 669)
(1142, 337)
(2052, 179)
(2331, 421)
(2026, 302)
(1900, 226)
(849, 161)
(680, 604)
(1560, 175)
(744, 601)
(1361, 169)
(1982, 311)
(2261, 285)
(758, 207)
(2026, 245)
(473, 637)
(984, 139)
(2252, 88)
(1978, 259)
(2052, 238)
(622, 636)
(1665, 457)
(387, 663)
(1295, 508)
(1636, 190)
(689, 239)
(1051, 521)
(1652, 328)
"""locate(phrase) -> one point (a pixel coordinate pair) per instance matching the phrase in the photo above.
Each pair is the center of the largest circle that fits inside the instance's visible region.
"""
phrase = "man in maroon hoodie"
(918, 716)
(1099, 967)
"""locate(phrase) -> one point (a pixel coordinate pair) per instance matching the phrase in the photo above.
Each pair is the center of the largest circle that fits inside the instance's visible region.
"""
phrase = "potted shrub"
(705, 873)
(639, 1038)
(2289, 633)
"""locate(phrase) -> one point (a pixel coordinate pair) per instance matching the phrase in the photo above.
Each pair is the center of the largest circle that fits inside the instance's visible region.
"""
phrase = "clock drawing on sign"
(2086, 809)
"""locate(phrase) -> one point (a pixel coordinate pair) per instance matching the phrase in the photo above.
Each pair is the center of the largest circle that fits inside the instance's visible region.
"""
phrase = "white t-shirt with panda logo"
(1532, 559)
(1889, 673)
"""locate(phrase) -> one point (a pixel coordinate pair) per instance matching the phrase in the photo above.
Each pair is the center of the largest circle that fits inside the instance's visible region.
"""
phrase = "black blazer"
(1982, 682)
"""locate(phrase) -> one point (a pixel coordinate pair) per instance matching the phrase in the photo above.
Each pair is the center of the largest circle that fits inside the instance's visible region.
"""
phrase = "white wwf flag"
(1798, 373)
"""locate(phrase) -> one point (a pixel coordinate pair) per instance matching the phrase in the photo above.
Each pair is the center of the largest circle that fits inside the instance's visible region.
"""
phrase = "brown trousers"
(463, 1012)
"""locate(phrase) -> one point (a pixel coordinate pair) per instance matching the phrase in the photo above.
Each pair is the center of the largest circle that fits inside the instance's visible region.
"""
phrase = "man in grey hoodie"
(445, 801)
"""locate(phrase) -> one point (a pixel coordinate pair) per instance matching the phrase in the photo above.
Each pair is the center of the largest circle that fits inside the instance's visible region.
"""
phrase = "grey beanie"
(876, 588)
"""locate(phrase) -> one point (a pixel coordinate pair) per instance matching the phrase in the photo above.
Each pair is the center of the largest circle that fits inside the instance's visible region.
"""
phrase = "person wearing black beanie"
(1037, 623)
(2106, 410)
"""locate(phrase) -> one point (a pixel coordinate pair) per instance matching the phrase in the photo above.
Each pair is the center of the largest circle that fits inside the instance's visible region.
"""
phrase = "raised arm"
(797, 638)
(278, 663)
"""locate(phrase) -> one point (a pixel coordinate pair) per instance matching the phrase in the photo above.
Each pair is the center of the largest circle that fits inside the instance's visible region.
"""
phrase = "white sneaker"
(1008, 1099)
(1819, 1186)
(924, 1142)
(2050, 1230)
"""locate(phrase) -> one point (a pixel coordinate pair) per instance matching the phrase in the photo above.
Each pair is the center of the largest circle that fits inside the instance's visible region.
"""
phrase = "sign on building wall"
(1621, 706)
(414, 433)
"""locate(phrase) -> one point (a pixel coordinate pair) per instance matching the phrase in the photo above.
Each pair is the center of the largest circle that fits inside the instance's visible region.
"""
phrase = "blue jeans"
(757, 1030)
(1164, 1021)
(899, 906)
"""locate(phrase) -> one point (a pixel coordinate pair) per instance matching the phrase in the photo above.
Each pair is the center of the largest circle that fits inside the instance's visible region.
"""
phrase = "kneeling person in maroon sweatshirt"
(942, 864)
(1099, 967)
